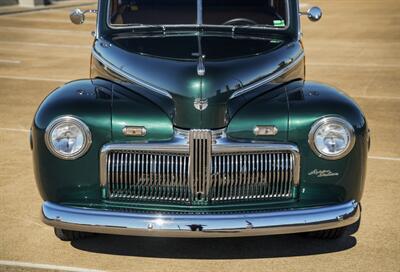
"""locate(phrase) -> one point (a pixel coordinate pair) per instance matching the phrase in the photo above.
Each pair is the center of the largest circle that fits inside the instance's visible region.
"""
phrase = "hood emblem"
(200, 104)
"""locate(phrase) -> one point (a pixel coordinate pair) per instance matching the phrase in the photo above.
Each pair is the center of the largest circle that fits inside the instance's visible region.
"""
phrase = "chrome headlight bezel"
(332, 120)
(87, 137)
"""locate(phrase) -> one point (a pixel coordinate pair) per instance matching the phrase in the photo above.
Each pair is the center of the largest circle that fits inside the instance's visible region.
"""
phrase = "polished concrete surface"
(355, 47)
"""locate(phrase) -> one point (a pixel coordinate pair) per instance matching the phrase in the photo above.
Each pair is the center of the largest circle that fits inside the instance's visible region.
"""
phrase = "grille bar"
(251, 176)
(199, 173)
(148, 176)
(200, 142)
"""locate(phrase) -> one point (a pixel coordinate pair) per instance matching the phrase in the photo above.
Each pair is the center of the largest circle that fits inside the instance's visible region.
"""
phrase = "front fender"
(57, 179)
(268, 109)
(308, 103)
(105, 108)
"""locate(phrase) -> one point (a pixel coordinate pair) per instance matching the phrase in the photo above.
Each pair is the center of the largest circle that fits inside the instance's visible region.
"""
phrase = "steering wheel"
(240, 21)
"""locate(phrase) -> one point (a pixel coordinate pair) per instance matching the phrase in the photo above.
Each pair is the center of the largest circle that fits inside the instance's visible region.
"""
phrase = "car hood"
(201, 73)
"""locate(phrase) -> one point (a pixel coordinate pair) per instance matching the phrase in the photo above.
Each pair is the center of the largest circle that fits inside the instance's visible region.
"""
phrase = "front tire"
(70, 235)
(332, 234)
(329, 234)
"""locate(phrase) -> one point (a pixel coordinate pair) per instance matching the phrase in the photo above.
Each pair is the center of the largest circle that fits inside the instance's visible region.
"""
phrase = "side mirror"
(314, 14)
(77, 16)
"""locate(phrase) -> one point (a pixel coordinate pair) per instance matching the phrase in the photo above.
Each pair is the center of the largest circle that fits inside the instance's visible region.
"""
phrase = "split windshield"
(256, 13)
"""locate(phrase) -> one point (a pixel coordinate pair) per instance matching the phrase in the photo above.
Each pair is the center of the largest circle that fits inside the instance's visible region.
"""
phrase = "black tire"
(70, 235)
(331, 234)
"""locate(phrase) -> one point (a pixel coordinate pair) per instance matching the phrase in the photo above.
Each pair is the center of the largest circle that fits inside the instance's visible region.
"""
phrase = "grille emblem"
(200, 104)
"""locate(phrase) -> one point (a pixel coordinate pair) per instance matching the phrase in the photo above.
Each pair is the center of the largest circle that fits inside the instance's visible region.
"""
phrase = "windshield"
(257, 13)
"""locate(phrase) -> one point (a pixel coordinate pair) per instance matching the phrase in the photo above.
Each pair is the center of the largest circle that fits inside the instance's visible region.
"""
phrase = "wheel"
(70, 235)
(331, 234)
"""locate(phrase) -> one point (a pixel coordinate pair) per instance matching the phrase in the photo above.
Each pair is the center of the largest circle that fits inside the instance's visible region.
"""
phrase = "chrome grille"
(200, 142)
(148, 176)
(199, 172)
(262, 175)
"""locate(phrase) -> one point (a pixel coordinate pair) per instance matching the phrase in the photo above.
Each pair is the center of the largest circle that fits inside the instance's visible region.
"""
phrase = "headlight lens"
(68, 138)
(331, 138)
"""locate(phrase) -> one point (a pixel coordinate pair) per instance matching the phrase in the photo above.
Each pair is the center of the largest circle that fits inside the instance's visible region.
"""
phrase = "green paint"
(279, 23)
(107, 107)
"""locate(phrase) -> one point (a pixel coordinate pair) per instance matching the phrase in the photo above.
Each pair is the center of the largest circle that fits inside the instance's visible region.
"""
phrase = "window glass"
(215, 12)
(245, 12)
(153, 12)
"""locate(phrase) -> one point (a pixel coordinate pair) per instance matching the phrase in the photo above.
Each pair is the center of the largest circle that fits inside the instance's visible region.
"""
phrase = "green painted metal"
(93, 102)
(167, 62)
(132, 109)
(308, 103)
(61, 180)
(108, 102)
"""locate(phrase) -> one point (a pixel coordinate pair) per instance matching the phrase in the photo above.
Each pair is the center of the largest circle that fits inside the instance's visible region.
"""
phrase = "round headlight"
(331, 138)
(68, 138)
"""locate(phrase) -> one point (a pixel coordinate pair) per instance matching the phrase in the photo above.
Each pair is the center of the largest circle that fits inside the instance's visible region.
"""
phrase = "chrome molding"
(201, 225)
(216, 134)
(244, 90)
(99, 11)
(190, 34)
(299, 31)
(199, 7)
(269, 78)
(128, 76)
(200, 142)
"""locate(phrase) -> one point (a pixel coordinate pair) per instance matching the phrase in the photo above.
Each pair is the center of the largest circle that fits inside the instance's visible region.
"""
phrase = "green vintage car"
(197, 121)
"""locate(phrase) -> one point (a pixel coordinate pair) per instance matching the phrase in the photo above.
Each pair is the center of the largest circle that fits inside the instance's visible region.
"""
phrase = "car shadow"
(213, 248)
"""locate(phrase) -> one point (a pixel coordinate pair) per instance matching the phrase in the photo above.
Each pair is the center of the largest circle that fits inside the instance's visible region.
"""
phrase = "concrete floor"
(355, 47)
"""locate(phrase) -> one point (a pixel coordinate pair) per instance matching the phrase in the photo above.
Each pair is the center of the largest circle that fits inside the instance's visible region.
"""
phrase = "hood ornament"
(200, 104)
(201, 69)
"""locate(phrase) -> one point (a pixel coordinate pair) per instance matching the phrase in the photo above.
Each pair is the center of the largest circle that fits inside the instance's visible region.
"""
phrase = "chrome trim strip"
(97, 31)
(200, 142)
(299, 31)
(199, 12)
(269, 78)
(129, 77)
(201, 225)
(216, 134)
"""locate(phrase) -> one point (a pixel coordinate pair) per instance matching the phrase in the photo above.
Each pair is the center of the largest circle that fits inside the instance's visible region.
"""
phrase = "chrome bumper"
(211, 225)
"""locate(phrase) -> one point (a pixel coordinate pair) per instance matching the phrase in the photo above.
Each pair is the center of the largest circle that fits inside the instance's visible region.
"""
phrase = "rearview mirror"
(314, 14)
(78, 16)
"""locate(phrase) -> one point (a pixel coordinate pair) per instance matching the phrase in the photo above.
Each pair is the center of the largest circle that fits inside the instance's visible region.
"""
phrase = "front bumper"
(200, 225)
